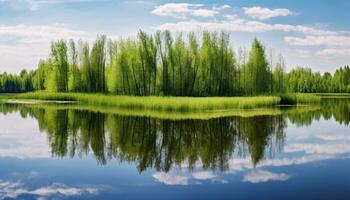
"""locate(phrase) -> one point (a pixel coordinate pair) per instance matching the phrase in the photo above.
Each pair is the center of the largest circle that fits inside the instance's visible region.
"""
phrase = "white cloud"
(313, 30)
(9, 189)
(266, 13)
(182, 10)
(21, 46)
(339, 137)
(186, 178)
(239, 164)
(295, 161)
(170, 179)
(333, 52)
(24, 141)
(234, 23)
(264, 176)
(204, 13)
(222, 7)
(232, 17)
(177, 10)
(334, 45)
(34, 5)
(204, 175)
(321, 40)
(330, 148)
(33, 33)
(218, 19)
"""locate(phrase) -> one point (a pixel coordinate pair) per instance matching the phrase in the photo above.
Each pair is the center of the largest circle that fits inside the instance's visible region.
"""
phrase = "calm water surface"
(49, 152)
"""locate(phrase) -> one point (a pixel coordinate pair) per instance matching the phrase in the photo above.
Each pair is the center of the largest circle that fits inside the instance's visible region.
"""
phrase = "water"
(53, 152)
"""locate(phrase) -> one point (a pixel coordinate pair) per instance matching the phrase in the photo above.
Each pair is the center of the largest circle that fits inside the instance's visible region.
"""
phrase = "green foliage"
(299, 98)
(305, 81)
(217, 67)
(10, 83)
(40, 75)
(256, 73)
(98, 65)
(151, 65)
(192, 65)
(278, 76)
(74, 79)
(58, 77)
(85, 68)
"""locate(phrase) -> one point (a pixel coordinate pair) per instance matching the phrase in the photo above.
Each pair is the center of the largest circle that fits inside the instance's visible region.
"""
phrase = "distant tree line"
(167, 65)
(10, 83)
(304, 80)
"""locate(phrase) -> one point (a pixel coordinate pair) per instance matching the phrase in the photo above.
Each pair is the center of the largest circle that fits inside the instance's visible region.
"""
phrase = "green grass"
(169, 104)
(299, 98)
(6, 96)
(333, 95)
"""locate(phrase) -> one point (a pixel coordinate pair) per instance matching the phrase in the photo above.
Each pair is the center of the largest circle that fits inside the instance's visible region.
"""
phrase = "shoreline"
(161, 103)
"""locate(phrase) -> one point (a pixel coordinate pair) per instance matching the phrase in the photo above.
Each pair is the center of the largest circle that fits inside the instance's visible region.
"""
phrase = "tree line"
(305, 80)
(163, 64)
(10, 83)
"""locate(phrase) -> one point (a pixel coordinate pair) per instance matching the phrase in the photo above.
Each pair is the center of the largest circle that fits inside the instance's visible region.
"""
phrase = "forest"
(163, 64)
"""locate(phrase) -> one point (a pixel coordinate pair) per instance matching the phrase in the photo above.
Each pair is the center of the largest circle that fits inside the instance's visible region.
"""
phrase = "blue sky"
(308, 33)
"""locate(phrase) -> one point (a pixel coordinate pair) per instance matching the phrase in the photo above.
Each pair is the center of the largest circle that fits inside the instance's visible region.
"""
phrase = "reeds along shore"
(181, 104)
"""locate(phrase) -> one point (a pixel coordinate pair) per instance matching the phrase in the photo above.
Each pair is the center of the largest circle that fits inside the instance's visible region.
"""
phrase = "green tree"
(98, 65)
(256, 72)
(74, 81)
(278, 76)
(59, 62)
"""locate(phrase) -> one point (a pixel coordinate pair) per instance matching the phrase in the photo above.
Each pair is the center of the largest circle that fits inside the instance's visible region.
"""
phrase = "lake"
(63, 152)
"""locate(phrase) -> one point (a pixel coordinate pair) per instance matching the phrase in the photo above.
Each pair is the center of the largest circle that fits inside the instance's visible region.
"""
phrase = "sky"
(311, 33)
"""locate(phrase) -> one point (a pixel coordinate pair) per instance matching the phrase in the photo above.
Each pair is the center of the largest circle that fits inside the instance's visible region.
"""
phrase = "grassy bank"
(6, 96)
(158, 103)
(173, 104)
(299, 98)
(333, 95)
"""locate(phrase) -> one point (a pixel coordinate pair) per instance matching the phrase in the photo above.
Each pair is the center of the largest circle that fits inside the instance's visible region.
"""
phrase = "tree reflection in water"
(164, 144)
